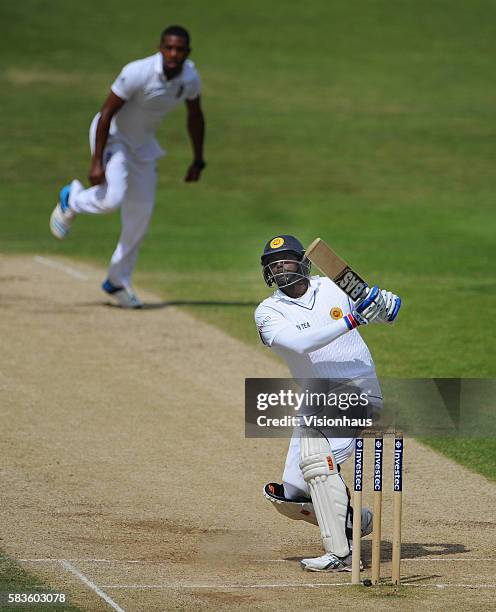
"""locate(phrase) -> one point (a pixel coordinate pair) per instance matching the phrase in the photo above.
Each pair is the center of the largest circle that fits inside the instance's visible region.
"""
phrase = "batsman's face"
(174, 50)
(283, 266)
(284, 262)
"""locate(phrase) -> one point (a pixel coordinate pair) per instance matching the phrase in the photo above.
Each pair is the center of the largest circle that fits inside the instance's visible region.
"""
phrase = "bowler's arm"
(196, 131)
(111, 105)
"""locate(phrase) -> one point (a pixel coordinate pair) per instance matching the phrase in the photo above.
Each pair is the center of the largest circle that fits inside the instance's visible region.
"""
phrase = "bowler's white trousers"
(293, 481)
(130, 185)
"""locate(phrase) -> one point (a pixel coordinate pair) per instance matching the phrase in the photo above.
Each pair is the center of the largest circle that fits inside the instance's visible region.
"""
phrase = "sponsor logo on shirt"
(304, 325)
(260, 327)
(336, 313)
(265, 320)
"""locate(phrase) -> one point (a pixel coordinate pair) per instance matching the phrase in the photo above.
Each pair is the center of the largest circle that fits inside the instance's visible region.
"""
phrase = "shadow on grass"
(175, 303)
(156, 305)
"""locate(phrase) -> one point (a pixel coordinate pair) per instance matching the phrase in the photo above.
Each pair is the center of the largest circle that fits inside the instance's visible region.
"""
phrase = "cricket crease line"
(443, 559)
(450, 586)
(69, 567)
(166, 562)
(37, 560)
(412, 559)
(57, 265)
(303, 585)
(82, 560)
(185, 585)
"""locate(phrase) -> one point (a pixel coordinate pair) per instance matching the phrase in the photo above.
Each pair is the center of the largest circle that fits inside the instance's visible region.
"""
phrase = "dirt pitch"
(127, 483)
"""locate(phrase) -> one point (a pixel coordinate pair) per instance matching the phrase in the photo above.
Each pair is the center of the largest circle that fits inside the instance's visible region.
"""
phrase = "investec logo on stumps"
(398, 466)
(358, 464)
(378, 465)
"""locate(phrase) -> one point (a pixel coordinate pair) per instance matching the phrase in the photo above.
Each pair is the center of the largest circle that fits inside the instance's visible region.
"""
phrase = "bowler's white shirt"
(149, 96)
(346, 357)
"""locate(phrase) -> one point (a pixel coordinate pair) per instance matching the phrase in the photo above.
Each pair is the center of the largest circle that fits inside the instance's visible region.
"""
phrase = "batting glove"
(370, 306)
(367, 309)
(392, 306)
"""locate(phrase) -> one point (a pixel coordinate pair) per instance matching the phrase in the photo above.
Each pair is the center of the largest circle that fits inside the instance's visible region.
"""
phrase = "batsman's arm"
(111, 105)
(277, 331)
(196, 131)
(309, 340)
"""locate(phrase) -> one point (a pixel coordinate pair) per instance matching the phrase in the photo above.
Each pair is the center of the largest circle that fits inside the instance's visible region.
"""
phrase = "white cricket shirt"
(149, 97)
(346, 357)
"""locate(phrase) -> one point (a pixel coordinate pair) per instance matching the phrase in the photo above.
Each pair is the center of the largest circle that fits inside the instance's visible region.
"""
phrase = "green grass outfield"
(370, 124)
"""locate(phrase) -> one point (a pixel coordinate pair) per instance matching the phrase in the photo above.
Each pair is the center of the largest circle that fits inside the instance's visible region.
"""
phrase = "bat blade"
(329, 262)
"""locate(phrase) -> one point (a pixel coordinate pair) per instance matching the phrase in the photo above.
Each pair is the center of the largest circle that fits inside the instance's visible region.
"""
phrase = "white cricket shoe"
(62, 215)
(328, 562)
(122, 296)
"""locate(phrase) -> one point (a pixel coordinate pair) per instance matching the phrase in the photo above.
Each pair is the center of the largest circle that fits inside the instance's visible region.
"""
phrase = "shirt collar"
(159, 64)
(159, 67)
(306, 297)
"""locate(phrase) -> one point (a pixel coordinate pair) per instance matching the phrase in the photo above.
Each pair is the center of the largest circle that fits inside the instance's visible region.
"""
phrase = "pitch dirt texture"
(125, 473)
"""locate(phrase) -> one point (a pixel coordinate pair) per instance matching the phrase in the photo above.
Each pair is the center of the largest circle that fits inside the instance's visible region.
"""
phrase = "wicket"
(377, 489)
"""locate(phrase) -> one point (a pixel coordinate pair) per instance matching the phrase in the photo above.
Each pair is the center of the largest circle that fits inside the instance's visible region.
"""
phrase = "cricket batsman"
(313, 326)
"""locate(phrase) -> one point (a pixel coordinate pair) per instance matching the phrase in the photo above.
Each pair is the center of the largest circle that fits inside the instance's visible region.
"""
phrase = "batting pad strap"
(327, 490)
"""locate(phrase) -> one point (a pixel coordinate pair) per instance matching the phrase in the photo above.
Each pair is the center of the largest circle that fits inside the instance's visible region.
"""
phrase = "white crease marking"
(69, 567)
(57, 265)
(285, 585)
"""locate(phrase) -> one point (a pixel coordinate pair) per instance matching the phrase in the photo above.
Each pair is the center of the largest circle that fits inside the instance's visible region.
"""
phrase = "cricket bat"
(329, 262)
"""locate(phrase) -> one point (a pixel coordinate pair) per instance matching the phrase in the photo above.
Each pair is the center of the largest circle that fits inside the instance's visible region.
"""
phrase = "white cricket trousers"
(130, 185)
(292, 479)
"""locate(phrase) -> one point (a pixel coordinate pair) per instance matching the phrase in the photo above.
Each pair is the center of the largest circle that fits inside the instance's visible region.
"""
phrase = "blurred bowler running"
(124, 149)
